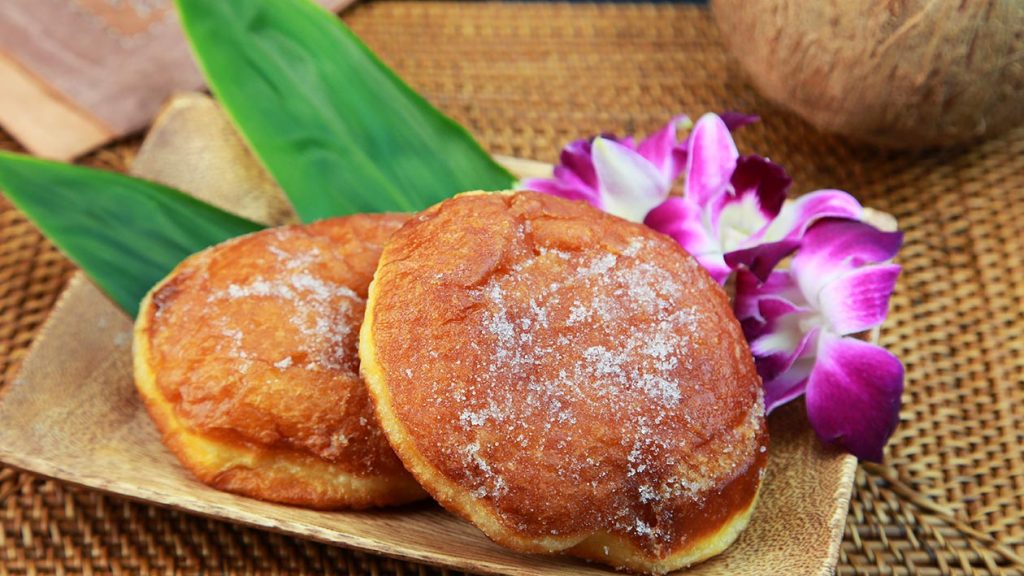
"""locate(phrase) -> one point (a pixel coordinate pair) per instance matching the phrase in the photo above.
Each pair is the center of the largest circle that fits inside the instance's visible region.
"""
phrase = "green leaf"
(126, 233)
(338, 130)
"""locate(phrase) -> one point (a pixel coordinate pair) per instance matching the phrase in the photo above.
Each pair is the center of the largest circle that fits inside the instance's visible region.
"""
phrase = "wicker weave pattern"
(528, 77)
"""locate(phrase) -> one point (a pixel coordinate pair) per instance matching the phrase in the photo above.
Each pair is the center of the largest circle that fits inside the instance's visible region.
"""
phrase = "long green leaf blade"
(338, 130)
(126, 233)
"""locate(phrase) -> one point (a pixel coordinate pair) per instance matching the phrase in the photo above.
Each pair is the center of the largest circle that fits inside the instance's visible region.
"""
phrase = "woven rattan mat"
(528, 77)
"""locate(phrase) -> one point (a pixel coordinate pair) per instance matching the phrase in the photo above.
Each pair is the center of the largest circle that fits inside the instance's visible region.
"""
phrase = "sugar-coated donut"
(566, 380)
(245, 356)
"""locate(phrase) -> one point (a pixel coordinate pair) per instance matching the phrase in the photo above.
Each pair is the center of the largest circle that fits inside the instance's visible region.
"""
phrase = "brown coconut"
(897, 73)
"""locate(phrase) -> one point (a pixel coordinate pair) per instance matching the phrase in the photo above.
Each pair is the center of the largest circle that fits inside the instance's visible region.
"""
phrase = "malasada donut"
(565, 380)
(245, 356)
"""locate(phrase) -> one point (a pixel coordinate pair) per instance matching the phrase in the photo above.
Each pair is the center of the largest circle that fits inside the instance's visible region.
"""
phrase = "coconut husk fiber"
(910, 75)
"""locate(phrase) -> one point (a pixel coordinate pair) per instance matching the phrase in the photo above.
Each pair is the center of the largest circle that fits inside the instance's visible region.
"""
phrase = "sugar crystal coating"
(256, 341)
(573, 373)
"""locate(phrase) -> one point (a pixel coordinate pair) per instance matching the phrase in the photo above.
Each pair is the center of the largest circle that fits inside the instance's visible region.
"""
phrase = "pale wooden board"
(44, 122)
(192, 128)
(75, 74)
(73, 414)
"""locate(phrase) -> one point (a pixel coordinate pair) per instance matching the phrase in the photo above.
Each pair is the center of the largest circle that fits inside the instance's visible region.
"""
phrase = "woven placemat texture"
(526, 78)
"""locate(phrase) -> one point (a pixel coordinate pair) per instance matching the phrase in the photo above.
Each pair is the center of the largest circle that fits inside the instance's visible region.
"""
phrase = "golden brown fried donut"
(566, 380)
(246, 358)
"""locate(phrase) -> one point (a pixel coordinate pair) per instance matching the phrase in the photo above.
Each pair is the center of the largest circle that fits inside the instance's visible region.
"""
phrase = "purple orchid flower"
(733, 216)
(799, 323)
(622, 177)
(616, 174)
(736, 120)
(733, 212)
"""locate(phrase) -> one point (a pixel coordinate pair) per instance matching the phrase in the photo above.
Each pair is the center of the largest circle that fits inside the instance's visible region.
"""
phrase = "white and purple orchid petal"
(734, 221)
(629, 185)
(853, 395)
(574, 178)
(764, 180)
(833, 247)
(561, 188)
(664, 150)
(626, 141)
(774, 365)
(756, 193)
(781, 334)
(858, 300)
(564, 183)
(788, 385)
(784, 338)
(794, 218)
(715, 266)
(751, 290)
(683, 221)
(747, 297)
(762, 258)
(711, 161)
(736, 120)
(571, 178)
(576, 157)
(771, 321)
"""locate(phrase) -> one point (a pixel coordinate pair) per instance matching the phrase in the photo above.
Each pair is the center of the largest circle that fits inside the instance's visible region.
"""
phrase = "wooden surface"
(42, 119)
(73, 414)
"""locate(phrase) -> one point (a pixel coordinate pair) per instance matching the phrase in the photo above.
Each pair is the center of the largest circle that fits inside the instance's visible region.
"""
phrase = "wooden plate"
(73, 414)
